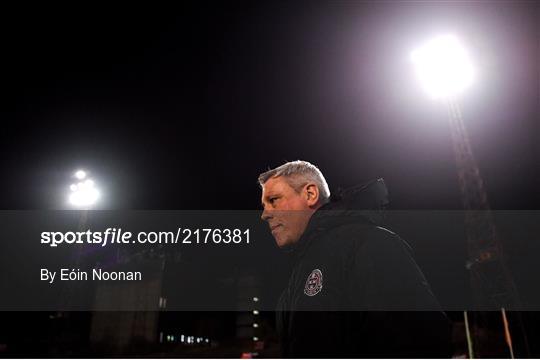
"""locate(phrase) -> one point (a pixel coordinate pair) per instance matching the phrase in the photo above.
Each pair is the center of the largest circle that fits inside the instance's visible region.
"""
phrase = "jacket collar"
(325, 218)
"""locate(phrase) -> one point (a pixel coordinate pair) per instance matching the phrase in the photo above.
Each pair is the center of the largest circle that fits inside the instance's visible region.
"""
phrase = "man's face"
(286, 210)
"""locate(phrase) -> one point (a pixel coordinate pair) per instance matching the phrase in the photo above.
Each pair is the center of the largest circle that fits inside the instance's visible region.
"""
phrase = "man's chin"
(282, 243)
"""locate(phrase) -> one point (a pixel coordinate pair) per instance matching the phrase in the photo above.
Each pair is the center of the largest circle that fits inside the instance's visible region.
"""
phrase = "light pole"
(82, 195)
(445, 70)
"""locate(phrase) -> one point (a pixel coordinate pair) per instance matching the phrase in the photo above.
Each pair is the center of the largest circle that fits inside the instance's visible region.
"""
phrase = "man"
(351, 280)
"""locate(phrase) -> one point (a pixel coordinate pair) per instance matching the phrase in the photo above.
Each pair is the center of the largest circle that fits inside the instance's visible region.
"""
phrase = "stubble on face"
(286, 211)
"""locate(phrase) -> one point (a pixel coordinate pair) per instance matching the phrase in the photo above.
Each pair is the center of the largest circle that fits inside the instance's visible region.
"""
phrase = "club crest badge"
(314, 283)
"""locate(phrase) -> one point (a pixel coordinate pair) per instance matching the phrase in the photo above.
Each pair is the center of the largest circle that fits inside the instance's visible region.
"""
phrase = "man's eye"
(272, 200)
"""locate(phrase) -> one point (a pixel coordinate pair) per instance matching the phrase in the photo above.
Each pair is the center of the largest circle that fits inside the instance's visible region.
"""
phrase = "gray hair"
(297, 174)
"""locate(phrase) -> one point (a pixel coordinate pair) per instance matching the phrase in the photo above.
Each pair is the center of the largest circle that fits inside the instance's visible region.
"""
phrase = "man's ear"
(312, 194)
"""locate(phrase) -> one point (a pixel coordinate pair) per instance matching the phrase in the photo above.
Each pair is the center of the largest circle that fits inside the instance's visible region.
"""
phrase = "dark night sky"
(182, 108)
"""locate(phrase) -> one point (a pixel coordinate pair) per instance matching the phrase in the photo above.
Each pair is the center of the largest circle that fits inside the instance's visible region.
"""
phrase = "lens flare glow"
(80, 174)
(443, 67)
(83, 194)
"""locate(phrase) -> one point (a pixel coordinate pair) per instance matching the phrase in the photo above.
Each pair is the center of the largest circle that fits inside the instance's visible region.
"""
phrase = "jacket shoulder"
(365, 236)
(385, 269)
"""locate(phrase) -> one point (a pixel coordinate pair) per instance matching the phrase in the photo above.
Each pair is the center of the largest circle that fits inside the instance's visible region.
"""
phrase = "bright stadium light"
(83, 194)
(80, 174)
(443, 67)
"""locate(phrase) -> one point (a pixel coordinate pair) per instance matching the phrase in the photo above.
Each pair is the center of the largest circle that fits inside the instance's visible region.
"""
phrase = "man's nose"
(266, 215)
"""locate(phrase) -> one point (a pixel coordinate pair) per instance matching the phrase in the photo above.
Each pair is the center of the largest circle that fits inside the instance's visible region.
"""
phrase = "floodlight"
(443, 67)
(80, 174)
(84, 194)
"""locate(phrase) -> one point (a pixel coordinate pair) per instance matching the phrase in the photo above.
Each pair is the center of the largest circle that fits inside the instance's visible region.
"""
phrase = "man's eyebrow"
(269, 196)
(266, 197)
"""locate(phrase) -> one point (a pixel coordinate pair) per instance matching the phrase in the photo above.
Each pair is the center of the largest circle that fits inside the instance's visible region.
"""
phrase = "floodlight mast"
(83, 195)
(492, 285)
(445, 71)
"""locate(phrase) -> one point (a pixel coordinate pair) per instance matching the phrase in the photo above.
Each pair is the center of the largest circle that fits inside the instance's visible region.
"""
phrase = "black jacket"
(355, 291)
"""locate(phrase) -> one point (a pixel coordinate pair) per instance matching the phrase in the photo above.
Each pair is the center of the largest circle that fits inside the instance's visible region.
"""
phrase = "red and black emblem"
(313, 283)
